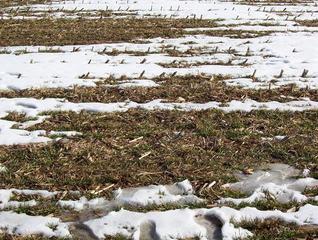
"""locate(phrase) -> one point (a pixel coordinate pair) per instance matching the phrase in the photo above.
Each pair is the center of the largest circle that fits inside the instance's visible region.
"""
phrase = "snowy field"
(156, 119)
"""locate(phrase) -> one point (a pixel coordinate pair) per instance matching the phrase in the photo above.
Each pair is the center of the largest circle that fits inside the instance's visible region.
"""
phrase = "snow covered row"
(272, 61)
(207, 9)
(172, 224)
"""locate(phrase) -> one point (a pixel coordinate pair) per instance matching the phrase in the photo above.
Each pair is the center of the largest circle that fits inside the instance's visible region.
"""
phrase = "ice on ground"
(7, 194)
(10, 136)
(178, 193)
(137, 83)
(84, 203)
(22, 224)
(187, 223)
(278, 181)
(306, 215)
(64, 133)
(167, 225)
(13, 136)
(5, 202)
(31, 123)
(278, 138)
(3, 168)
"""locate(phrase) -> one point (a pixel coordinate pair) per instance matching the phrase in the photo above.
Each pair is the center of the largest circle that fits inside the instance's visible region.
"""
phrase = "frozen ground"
(284, 56)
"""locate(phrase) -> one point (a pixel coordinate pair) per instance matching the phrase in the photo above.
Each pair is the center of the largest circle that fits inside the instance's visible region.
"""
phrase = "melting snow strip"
(280, 182)
(178, 193)
(22, 224)
(33, 107)
(187, 223)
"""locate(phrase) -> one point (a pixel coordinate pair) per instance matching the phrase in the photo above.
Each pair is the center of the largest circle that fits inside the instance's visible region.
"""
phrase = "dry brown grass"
(201, 146)
(17, 117)
(89, 31)
(309, 23)
(231, 33)
(277, 230)
(11, 237)
(175, 89)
